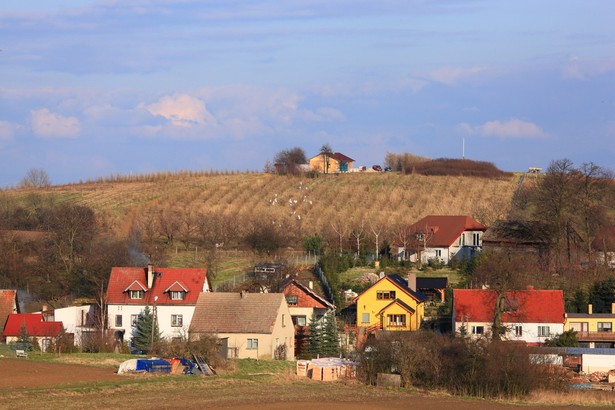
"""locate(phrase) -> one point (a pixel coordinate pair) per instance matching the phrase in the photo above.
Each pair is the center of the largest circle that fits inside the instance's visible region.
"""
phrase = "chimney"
(311, 285)
(412, 281)
(613, 308)
(530, 287)
(243, 294)
(590, 309)
(150, 276)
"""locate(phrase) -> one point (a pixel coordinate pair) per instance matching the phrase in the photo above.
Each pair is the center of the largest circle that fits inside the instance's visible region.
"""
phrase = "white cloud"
(182, 110)
(577, 68)
(509, 129)
(452, 75)
(47, 124)
(325, 114)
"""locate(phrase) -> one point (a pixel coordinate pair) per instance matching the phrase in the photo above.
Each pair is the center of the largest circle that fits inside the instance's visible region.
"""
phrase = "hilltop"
(310, 205)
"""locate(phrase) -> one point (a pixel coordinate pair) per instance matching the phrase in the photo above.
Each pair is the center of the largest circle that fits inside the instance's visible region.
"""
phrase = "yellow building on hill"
(391, 304)
(333, 163)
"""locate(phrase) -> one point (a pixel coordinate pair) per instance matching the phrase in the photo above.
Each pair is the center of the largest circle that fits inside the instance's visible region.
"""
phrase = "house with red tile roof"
(442, 238)
(43, 332)
(251, 325)
(171, 293)
(530, 315)
(304, 304)
(8, 305)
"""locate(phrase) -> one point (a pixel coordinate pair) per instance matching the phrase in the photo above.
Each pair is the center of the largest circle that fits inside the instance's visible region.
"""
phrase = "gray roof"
(221, 312)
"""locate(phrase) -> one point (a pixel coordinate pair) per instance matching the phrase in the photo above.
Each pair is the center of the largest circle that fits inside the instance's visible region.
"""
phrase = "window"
(291, 300)
(438, 253)
(136, 294)
(177, 320)
(118, 320)
(543, 331)
(252, 344)
(387, 294)
(462, 239)
(605, 327)
(518, 331)
(579, 326)
(301, 320)
(365, 318)
(178, 295)
(478, 330)
(397, 320)
(133, 320)
(476, 239)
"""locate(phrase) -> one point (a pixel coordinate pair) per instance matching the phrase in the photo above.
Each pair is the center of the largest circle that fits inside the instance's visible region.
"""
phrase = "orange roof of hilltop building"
(34, 323)
(521, 306)
(445, 229)
(157, 285)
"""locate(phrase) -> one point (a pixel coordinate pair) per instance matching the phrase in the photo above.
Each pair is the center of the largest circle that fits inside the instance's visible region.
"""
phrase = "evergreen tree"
(143, 336)
(330, 345)
(315, 336)
(23, 340)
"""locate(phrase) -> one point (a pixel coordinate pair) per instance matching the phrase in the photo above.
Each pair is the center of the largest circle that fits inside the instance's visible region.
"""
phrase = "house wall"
(42, 342)
(529, 331)
(597, 363)
(163, 315)
(397, 310)
(317, 163)
(74, 320)
(592, 322)
(368, 303)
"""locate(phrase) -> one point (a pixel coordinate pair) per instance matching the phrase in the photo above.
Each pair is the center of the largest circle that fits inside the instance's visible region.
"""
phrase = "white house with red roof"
(171, 293)
(531, 316)
(36, 327)
(441, 237)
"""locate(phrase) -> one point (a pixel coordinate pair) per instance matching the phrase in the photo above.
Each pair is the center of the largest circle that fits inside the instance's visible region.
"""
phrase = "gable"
(305, 296)
(392, 283)
(397, 303)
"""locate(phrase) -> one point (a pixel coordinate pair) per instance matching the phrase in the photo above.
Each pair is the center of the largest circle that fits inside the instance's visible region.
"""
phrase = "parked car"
(388, 169)
(377, 168)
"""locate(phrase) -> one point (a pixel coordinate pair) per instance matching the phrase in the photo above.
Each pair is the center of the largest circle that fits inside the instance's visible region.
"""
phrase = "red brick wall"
(303, 299)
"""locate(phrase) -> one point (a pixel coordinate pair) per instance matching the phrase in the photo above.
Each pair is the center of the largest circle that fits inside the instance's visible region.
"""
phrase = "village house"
(530, 315)
(8, 305)
(333, 163)
(433, 287)
(250, 325)
(593, 330)
(170, 293)
(78, 321)
(392, 303)
(441, 238)
(304, 305)
(33, 325)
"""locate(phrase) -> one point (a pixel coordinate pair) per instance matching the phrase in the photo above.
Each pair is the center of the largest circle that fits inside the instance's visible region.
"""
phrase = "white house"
(442, 238)
(531, 316)
(170, 293)
(79, 321)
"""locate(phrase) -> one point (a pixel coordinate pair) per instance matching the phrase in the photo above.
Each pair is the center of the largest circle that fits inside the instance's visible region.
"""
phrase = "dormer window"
(137, 294)
(177, 295)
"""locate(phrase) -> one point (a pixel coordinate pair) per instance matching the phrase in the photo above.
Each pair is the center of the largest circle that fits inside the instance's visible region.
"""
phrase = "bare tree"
(289, 161)
(341, 229)
(358, 233)
(376, 231)
(326, 152)
(35, 178)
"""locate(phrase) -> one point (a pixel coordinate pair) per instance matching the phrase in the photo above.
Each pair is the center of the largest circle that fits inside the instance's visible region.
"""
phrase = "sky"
(96, 88)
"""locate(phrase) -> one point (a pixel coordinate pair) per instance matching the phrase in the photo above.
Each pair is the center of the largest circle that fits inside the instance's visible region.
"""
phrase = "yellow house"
(391, 304)
(336, 162)
(593, 329)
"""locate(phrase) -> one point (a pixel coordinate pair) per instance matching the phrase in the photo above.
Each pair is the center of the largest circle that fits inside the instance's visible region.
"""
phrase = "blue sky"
(94, 88)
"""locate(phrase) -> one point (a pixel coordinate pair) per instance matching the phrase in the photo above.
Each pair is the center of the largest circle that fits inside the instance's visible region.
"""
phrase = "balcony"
(596, 336)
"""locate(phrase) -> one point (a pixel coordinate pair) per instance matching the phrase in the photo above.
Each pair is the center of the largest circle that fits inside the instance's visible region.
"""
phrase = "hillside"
(306, 204)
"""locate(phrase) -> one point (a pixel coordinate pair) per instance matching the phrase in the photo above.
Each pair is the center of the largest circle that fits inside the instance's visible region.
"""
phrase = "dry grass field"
(309, 205)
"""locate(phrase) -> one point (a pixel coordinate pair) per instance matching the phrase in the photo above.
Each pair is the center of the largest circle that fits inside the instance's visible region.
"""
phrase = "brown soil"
(24, 374)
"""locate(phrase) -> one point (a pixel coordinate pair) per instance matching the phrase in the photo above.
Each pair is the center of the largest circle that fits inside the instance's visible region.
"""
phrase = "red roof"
(123, 280)
(338, 156)
(34, 323)
(8, 304)
(445, 228)
(524, 306)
